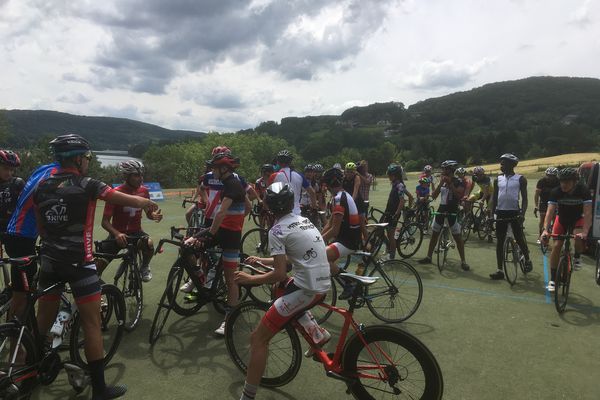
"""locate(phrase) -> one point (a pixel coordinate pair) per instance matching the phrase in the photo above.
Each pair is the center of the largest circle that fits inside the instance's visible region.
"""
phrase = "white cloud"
(433, 75)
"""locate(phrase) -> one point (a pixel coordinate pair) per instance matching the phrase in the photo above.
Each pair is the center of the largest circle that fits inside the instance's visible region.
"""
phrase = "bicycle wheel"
(484, 227)
(285, 355)
(374, 241)
(387, 362)
(562, 283)
(511, 260)
(20, 371)
(177, 299)
(442, 249)
(410, 239)
(466, 227)
(130, 284)
(163, 310)
(255, 242)
(220, 293)
(112, 316)
(398, 292)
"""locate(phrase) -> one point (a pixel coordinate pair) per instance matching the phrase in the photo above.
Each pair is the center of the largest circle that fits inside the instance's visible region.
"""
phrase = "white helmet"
(130, 167)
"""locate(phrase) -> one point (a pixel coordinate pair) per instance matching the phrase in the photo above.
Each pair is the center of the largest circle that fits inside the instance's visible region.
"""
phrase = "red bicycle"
(375, 362)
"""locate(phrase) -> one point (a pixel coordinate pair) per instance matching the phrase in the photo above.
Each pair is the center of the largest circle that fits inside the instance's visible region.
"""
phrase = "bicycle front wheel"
(410, 239)
(181, 305)
(130, 284)
(285, 355)
(255, 242)
(562, 283)
(442, 249)
(398, 292)
(112, 317)
(25, 362)
(511, 260)
(162, 311)
(386, 362)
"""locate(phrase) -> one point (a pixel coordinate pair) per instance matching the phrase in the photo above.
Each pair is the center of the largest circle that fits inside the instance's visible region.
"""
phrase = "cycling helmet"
(131, 167)
(424, 180)
(285, 156)
(337, 165)
(567, 174)
(69, 145)
(394, 169)
(225, 160)
(427, 168)
(478, 170)
(350, 166)
(9, 158)
(318, 167)
(309, 167)
(333, 177)
(267, 168)
(552, 171)
(451, 164)
(280, 198)
(460, 172)
(220, 149)
(510, 157)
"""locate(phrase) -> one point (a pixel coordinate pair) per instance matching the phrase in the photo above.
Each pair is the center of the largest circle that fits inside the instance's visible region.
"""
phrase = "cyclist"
(461, 173)
(542, 191)
(573, 202)
(10, 186)
(260, 186)
(320, 191)
(351, 184)
(286, 174)
(394, 207)
(292, 238)
(121, 222)
(505, 205)
(422, 194)
(343, 228)
(452, 190)
(484, 186)
(65, 204)
(226, 227)
(428, 173)
(305, 209)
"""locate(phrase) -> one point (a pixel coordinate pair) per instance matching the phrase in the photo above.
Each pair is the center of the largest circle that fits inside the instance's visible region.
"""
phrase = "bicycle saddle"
(363, 280)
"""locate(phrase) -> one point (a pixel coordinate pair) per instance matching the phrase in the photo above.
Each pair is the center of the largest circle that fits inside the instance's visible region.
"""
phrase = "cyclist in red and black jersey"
(121, 222)
(65, 205)
(10, 186)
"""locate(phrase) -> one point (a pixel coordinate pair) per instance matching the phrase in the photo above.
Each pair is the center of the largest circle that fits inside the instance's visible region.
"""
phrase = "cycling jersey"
(234, 218)
(298, 239)
(484, 183)
(9, 193)
(214, 187)
(126, 219)
(23, 221)
(66, 203)
(261, 187)
(545, 186)
(422, 190)
(349, 234)
(570, 204)
(447, 197)
(396, 194)
(509, 189)
(295, 180)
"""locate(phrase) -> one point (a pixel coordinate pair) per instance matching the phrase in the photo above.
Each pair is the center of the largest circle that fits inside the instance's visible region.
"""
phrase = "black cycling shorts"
(20, 247)
(83, 279)
(230, 240)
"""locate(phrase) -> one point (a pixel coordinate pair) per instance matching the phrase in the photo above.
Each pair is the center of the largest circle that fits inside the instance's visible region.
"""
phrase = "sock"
(249, 392)
(553, 275)
(97, 376)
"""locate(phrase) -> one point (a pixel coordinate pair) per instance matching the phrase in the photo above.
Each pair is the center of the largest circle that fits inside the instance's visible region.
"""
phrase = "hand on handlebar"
(121, 240)
(242, 278)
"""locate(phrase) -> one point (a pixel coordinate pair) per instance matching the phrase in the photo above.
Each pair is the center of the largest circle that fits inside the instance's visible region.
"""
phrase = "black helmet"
(449, 164)
(510, 157)
(280, 198)
(567, 174)
(333, 177)
(267, 168)
(285, 156)
(394, 170)
(65, 146)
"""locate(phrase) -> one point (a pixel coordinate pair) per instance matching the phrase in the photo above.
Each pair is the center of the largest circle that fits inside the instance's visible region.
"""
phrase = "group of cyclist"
(58, 202)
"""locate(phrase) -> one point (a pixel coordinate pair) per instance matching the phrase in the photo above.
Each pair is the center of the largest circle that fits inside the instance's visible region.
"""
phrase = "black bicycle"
(514, 259)
(563, 273)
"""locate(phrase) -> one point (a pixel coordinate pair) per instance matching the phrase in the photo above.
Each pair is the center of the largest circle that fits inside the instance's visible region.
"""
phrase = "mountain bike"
(445, 241)
(514, 259)
(375, 362)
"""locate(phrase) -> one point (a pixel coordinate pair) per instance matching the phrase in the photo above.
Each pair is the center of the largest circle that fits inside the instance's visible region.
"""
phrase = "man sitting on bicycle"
(394, 207)
(452, 190)
(542, 192)
(65, 205)
(573, 202)
(121, 222)
(295, 239)
(505, 205)
(484, 186)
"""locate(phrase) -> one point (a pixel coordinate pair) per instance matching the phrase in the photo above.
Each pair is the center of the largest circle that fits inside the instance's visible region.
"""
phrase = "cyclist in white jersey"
(297, 182)
(295, 239)
(508, 187)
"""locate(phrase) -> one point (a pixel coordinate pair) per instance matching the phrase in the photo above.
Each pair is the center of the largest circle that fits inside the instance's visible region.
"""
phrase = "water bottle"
(62, 318)
(209, 278)
(311, 327)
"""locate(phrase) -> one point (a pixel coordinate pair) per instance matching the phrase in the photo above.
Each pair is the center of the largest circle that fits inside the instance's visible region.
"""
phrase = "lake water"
(107, 160)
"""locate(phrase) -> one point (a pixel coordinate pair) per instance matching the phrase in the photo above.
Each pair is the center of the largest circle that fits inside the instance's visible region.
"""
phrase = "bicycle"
(255, 242)
(423, 215)
(374, 215)
(128, 278)
(563, 273)
(445, 241)
(597, 273)
(376, 360)
(514, 259)
(23, 363)
(196, 218)
(409, 236)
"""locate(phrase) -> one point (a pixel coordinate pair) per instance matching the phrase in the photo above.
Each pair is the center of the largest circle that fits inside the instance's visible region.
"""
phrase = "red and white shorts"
(340, 250)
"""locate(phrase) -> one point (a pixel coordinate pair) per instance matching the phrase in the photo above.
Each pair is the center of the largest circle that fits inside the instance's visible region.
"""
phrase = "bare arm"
(524, 200)
(333, 228)
(278, 274)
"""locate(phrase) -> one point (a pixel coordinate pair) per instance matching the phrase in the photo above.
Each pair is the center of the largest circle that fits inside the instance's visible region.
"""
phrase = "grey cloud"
(152, 39)
(444, 74)
(185, 113)
(73, 98)
(215, 98)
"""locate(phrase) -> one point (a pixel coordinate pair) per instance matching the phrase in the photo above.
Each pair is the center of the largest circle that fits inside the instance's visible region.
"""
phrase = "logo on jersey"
(276, 230)
(57, 213)
(5, 196)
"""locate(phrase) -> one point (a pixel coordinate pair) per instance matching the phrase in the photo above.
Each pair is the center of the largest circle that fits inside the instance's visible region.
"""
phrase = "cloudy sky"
(230, 64)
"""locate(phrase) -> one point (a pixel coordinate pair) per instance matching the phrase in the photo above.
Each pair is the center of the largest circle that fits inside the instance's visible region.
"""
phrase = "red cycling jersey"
(126, 219)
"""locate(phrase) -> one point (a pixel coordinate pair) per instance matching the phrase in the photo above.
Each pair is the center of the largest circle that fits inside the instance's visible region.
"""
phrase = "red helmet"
(10, 158)
(220, 149)
(226, 160)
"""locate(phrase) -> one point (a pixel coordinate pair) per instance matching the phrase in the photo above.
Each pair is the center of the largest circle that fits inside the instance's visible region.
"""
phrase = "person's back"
(296, 181)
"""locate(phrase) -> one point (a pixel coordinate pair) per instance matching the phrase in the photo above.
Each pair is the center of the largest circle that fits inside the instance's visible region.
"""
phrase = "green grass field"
(492, 341)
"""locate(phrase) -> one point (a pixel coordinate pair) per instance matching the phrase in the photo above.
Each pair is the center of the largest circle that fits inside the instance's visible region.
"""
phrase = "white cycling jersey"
(302, 243)
(509, 189)
(296, 181)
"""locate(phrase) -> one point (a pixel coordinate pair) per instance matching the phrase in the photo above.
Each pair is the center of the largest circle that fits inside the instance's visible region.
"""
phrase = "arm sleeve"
(96, 189)
(553, 197)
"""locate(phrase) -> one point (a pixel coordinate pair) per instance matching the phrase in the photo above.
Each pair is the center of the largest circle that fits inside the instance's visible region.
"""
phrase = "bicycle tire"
(162, 312)
(9, 334)
(597, 276)
(414, 370)
(511, 261)
(410, 239)
(484, 227)
(112, 325)
(466, 227)
(442, 249)
(177, 300)
(562, 283)
(130, 284)
(255, 242)
(285, 352)
(398, 292)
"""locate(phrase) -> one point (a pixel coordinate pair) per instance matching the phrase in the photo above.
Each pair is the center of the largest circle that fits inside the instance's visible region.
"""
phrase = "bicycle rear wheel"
(442, 249)
(285, 355)
(255, 242)
(484, 227)
(398, 292)
(25, 362)
(511, 261)
(130, 284)
(112, 317)
(562, 283)
(387, 362)
(410, 239)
